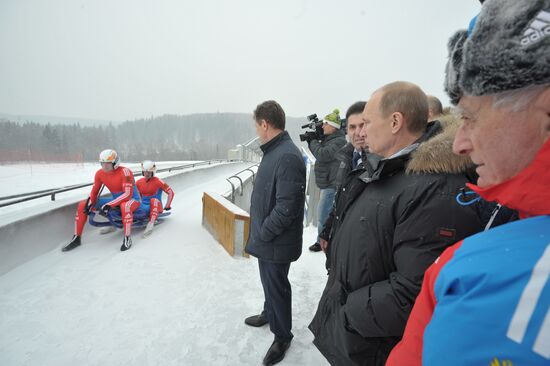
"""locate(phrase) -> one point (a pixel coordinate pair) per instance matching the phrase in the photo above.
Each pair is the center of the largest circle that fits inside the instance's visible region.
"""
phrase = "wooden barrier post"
(228, 223)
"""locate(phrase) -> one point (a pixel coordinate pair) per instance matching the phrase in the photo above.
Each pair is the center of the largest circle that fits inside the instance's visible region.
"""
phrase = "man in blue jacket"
(276, 223)
(486, 300)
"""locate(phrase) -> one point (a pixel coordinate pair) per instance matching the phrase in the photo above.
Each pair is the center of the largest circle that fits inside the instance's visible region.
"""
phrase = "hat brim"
(337, 126)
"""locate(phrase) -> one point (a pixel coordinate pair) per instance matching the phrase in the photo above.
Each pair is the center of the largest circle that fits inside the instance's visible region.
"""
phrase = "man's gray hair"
(518, 99)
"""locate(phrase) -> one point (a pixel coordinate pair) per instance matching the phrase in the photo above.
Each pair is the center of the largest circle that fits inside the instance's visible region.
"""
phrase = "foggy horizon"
(69, 119)
(126, 60)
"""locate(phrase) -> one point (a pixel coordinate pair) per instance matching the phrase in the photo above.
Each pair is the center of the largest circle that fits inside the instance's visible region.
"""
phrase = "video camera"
(317, 129)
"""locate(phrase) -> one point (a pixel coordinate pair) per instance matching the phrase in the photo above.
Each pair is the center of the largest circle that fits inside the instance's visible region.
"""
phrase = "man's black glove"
(88, 207)
(105, 209)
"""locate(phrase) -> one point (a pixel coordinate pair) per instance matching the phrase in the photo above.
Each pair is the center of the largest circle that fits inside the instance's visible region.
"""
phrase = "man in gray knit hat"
(486, 300)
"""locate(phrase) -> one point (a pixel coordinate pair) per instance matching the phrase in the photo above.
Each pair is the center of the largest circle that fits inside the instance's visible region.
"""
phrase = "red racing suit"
(486, 299)
(151, 192)
(120, 182)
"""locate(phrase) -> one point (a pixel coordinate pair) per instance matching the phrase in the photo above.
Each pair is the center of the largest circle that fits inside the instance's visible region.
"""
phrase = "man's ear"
(543, 101)
(397, 122)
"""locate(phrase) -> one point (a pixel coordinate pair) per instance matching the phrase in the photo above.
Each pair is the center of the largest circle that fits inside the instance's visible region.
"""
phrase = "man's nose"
(462, 144)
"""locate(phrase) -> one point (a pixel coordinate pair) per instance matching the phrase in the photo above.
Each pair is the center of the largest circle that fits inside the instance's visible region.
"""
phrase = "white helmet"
(109, 156)
(148, 166)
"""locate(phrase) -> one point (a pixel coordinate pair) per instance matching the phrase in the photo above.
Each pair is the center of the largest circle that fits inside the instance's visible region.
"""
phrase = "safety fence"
(243, 184)
(312, 191)
(249, 151)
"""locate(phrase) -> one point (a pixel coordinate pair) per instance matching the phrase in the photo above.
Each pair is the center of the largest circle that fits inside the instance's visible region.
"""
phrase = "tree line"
(168, 137)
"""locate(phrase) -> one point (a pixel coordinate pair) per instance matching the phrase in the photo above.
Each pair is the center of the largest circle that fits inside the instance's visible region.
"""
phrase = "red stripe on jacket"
(408, 352)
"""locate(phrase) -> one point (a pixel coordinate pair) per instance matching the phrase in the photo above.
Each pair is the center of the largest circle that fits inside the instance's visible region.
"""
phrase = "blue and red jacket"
(486, 300)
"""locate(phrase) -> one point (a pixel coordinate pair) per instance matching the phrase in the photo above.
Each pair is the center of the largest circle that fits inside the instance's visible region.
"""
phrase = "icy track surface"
(175, 298)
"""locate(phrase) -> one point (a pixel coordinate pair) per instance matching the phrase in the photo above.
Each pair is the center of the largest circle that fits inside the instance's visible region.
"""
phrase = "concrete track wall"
(32, 236)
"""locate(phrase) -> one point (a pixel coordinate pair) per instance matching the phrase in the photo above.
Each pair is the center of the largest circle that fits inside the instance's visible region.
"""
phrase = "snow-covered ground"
(175, 298)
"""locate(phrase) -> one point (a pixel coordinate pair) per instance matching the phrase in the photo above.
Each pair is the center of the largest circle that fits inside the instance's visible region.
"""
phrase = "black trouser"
(278, 298)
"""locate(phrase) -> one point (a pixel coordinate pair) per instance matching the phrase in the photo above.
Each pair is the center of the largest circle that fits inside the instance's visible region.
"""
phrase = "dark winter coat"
(344, 156)
(326, 164)
(277, 203)
(392, 223)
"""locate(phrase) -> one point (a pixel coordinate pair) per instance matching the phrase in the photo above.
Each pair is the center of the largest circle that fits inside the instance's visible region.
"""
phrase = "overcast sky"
(125, 59)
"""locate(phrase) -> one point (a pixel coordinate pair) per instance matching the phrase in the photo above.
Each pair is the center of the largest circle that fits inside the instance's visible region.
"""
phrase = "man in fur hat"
(394, 220)
(486, 300)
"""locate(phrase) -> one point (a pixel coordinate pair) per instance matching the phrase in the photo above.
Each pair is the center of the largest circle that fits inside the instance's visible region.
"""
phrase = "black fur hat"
(508, 49)
(452, 70)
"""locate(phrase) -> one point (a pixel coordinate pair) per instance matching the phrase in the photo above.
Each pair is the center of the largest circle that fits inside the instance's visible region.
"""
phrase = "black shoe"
(256, 320)
(126, 243)
(276, 352)
(315, 247)
(75, 241)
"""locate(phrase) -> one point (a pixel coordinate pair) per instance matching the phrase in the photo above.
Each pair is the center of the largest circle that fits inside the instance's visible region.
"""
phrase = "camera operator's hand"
(310, 136)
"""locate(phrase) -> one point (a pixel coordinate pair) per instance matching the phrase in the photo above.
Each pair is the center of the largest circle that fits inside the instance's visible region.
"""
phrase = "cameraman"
(324, 149)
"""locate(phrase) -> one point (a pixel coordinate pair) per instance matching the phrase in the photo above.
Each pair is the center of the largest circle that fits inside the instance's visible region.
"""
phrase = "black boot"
(256, 320)
(276, 352)
(315, 247)
(126, 243)
(75, 241)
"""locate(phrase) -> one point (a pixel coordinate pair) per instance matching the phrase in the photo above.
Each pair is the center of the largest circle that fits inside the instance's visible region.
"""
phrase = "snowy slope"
(175, 298)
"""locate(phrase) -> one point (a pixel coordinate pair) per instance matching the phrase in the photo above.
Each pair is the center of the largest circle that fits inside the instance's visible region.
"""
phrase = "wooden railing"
(227, 223)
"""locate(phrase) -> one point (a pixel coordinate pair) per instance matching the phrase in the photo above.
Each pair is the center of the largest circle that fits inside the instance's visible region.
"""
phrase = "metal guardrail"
(28, 193)
(312, 191)
(236, 175)
(53, 191)
(252, 150)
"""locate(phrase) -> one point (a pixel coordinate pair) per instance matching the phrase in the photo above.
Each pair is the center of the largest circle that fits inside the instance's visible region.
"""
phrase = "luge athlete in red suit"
(150, 188)
(120, 182)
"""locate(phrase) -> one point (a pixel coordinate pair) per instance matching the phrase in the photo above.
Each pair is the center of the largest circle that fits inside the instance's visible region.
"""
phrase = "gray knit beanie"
(508, 49)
